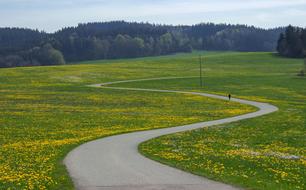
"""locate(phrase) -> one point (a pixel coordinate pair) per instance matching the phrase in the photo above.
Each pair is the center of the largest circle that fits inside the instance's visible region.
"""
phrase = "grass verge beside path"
(261, 153)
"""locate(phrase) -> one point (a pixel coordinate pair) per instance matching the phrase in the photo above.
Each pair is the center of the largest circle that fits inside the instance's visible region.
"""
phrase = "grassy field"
(262, 153)
(47, 111)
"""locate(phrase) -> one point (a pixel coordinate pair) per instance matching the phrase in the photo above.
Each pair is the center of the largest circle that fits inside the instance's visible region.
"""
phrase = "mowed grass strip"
(47, 111)
(261, 153)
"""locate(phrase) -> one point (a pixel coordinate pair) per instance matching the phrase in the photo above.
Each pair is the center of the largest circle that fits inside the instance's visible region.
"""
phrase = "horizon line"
(147, 22)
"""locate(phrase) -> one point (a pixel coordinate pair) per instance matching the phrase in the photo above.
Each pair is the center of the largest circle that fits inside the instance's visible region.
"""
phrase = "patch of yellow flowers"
(38, 130)
(203, 153)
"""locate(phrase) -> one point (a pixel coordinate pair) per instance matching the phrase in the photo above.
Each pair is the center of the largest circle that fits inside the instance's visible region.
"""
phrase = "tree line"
(292, 43)
(119, 39)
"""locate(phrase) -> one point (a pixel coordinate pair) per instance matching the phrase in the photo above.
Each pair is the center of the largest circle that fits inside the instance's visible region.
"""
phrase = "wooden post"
(305, 63)
(201, 80)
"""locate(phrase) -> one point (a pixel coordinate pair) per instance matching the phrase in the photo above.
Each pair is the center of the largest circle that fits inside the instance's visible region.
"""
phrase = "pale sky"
(51, 15)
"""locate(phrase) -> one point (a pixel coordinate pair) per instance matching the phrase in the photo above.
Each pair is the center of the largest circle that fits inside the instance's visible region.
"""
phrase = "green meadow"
(48, 111)
(262, 153)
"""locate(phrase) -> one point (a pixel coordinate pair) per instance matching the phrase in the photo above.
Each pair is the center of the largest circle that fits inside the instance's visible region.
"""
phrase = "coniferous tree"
(292, 43)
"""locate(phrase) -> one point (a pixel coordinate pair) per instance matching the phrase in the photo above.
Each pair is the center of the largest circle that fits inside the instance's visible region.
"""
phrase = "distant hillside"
(119, 39)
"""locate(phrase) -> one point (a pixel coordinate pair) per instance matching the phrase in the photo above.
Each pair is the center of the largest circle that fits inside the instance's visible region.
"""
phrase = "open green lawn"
(47, 111)
(262, 153)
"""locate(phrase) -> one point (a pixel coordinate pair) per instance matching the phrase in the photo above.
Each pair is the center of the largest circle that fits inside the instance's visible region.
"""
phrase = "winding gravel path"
(113, 163)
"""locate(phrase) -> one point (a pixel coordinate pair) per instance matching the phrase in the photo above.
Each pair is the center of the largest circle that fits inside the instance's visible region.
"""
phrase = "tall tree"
(51, 56)
(292, 43)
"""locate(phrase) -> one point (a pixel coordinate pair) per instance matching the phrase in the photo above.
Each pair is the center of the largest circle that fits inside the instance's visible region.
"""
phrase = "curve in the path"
(114, 163)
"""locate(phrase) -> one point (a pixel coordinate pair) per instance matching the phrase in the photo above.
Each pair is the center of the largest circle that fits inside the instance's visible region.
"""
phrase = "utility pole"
(201, 81)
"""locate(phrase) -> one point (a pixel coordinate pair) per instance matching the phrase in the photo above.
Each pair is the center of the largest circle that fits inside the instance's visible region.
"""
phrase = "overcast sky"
(51, 15)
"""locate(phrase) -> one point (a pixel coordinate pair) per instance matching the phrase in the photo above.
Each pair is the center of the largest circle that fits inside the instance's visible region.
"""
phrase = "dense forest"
(292, 43)
(119, 39)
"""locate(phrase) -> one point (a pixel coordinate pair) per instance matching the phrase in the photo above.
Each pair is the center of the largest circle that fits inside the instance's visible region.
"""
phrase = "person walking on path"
(229, 97)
